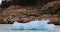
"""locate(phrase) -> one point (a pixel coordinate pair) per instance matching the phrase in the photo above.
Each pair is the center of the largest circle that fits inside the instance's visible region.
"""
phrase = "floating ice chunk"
(50, 26)
(17, 25)
(34, 25)
(30, 25)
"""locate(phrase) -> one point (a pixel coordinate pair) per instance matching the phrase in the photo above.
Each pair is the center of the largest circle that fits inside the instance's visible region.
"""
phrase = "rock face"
(5, 3)
(52, 7)
(30, 2)
(24, 12)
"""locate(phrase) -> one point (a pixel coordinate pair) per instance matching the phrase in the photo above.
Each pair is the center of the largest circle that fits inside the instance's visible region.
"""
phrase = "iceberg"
(33, 25)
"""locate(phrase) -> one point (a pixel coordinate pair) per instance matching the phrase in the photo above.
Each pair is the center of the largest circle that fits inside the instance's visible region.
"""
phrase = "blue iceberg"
(33, 25)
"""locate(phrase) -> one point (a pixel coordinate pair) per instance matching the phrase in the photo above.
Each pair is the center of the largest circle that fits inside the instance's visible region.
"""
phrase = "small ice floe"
(17, 26)
(33, 25)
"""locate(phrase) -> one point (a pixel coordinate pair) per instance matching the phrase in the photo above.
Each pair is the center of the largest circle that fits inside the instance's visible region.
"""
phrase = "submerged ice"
(33, 25)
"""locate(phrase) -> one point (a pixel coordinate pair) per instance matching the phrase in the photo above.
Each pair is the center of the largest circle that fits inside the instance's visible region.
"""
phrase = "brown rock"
(26, 20)
(19, 14)
(23, 14)
(51, 7)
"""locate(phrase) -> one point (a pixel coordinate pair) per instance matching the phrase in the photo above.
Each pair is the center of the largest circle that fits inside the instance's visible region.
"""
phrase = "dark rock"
(51, 7)
(30, 2)
(5, 3)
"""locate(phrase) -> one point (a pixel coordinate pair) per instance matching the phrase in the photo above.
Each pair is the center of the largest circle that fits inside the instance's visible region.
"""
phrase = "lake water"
(6, 28)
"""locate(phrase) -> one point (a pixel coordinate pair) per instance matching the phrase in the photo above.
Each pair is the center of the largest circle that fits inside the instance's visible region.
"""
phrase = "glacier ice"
(17, 25)
(33, 25)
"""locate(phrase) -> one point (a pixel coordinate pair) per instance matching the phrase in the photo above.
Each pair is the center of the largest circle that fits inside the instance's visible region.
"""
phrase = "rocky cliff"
(26, 10)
